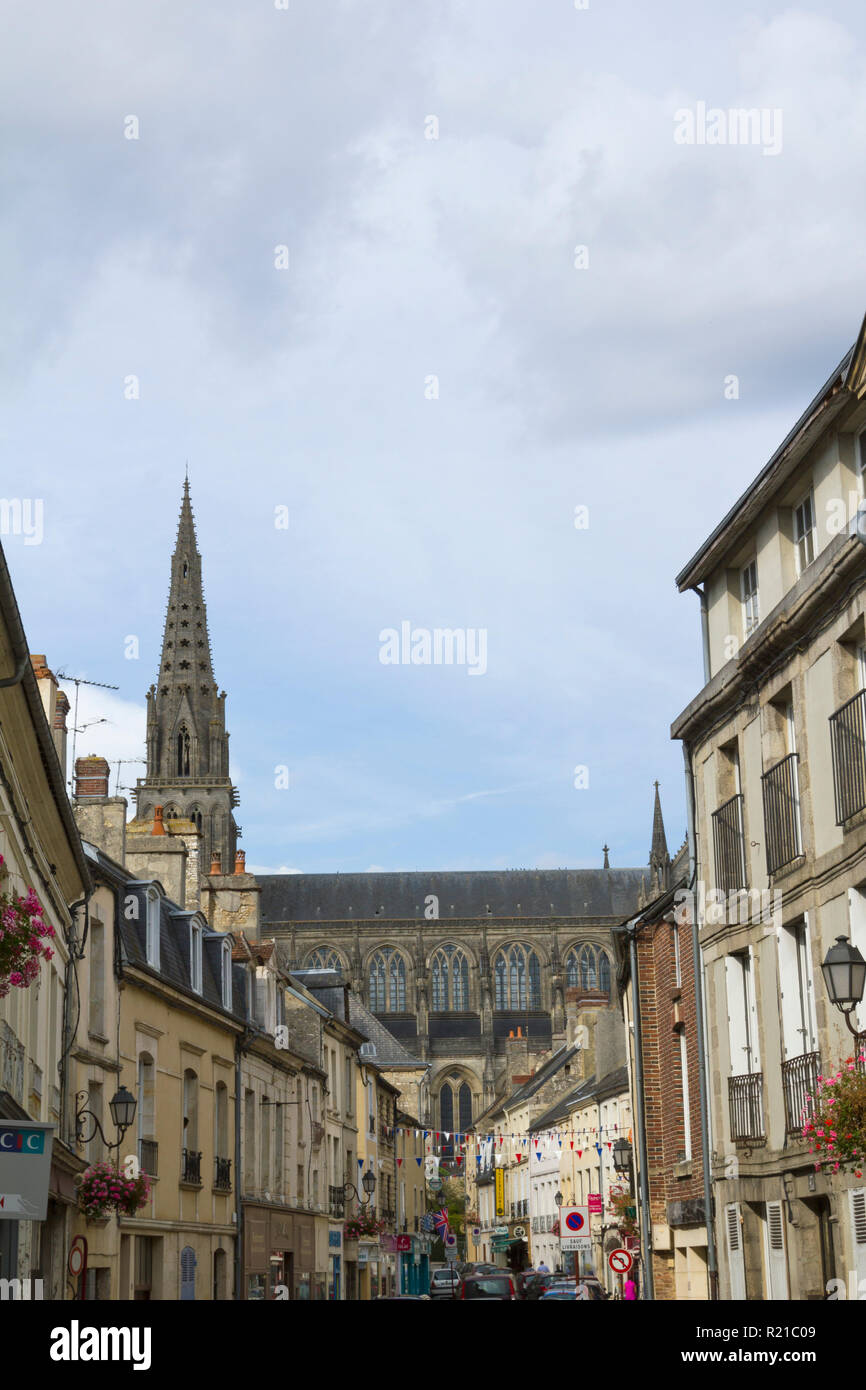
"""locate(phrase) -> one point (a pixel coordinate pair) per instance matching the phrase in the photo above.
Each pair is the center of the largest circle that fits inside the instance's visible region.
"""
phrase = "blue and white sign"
(25, 1169)
(574, 1229)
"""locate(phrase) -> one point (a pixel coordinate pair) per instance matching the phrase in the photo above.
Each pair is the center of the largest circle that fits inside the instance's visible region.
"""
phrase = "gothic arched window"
(446, 1109)
(183, 751)
(322, 958)
(387, 977)
(517, 978)
(450, 971)
(464, 1107)
(603, 973)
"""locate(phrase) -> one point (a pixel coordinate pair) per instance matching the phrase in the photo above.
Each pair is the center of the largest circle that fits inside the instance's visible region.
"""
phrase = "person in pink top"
(629, 1289)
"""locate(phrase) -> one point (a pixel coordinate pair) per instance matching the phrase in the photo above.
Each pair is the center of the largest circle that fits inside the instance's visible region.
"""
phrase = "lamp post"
(622, 1159)
(122, 1107)
(368, 1182)
(844, 972)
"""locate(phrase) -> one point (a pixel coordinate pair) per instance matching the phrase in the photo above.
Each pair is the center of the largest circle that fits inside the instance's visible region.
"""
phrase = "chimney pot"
(240, 862)
(158, 827)
(216, 863)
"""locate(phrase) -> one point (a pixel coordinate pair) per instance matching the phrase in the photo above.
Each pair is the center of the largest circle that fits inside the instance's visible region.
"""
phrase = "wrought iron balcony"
(223, 1174)
(799, 1080)
(782, 813)
(336, 1201)
(148, 1153)
(848, 745)
(746, 1101)
(388, 1215)
(190, 1168)
(729, 845)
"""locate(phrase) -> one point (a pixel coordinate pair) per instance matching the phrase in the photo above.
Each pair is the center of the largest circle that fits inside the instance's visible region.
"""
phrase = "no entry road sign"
(620, 1261)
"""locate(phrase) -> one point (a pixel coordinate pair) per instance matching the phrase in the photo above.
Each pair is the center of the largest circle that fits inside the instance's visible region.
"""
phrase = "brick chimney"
(230, 899)
(100, 818)
(48, 693)
(61, 709)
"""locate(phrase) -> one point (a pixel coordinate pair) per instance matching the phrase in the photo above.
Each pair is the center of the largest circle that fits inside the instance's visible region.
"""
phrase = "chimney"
(101, 819)
(241, 862)
(216, 862)
(151, 852)
(158, 827)
(231, 899)
(91, 776)
(48, 688)
(61, 709)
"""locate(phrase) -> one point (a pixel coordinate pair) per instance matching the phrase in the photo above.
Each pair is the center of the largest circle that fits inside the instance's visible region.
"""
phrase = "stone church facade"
(467, 970)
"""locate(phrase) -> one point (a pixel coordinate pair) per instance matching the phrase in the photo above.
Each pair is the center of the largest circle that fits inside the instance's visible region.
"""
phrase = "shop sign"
(25, 1170)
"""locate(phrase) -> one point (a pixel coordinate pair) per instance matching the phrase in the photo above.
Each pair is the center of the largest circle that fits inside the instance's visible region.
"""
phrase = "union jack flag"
(440, 1221)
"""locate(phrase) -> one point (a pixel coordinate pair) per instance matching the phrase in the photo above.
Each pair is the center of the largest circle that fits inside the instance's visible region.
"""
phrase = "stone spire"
(187, 743)
(659, 860)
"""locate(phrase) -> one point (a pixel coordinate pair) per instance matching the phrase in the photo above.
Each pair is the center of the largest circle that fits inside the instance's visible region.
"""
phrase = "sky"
(442, 315)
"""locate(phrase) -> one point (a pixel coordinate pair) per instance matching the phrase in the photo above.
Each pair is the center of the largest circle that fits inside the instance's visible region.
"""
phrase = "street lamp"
(122, 1107)
(845, 977)
(558, 1199)
(368, 1182)
(622, 1154)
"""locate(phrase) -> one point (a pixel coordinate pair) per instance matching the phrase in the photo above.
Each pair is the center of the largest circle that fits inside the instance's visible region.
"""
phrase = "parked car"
(523, 1280)
(444, 1283)
(491, 1286)
(537, 1283)
(588, 1289)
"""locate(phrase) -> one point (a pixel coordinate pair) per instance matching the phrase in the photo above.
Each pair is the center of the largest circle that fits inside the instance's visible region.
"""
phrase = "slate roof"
(327, 986)
(483, 894)
(560, 1110)
(174, 942)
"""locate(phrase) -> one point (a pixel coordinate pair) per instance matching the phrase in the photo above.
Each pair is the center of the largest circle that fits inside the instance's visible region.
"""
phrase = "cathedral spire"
(659, 860)
(187, 743)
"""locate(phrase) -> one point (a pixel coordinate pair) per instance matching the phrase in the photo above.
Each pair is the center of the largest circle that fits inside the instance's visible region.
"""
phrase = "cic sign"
(25, 1168)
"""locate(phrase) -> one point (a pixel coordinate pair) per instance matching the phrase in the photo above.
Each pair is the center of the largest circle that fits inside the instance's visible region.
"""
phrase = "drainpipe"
(640, 1125)
(239, 1211)
(705, 630)
(700, 1021)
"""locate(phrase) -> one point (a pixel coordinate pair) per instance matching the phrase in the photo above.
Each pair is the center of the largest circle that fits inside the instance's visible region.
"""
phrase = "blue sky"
(308, 387)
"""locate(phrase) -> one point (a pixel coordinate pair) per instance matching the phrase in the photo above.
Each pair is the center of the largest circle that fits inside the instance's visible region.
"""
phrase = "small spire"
(659, 847)
(606, 851)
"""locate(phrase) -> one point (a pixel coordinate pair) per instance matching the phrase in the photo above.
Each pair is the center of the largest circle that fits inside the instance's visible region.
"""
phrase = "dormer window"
(152, 928)
(195, 956)
(804, 532)
(226, 962)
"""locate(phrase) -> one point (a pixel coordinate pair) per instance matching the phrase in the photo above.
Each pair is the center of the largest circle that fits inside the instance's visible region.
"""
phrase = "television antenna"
(77, 681)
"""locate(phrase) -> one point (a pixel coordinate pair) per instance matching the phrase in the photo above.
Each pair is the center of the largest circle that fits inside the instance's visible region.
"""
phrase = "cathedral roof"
(483, 894)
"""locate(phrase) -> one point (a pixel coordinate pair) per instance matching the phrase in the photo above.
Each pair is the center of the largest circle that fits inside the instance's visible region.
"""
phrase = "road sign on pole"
(620, 1261)
(574, 1229)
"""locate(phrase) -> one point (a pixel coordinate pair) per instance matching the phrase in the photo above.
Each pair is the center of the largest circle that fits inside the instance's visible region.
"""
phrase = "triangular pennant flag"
(459, 1158)
(580, 1153)
(399, 1161)
(419, 1161)
(538, 1153)
(360, 1162)
(571, 1144)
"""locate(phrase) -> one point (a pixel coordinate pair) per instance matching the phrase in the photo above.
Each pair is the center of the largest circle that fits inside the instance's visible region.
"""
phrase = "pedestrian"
(629, 1290)
(543, 1268)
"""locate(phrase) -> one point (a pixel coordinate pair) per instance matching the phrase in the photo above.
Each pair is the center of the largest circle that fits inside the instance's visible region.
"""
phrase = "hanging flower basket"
(362, 1226)
(834, 1117)
(24, 937)
(102, 1189)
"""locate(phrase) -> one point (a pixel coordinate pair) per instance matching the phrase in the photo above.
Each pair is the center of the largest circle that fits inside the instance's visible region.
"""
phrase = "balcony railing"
(729, 845)
(388, 1215)
(336, 1201)
(848, 744)
(799, 1080)
(148, 1152)
(190, 1168)
(782, 813)
(746, 1100)
(223, 1174)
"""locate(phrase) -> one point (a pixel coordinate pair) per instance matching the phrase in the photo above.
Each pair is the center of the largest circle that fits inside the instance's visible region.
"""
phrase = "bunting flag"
(419, 1161)
(580, 1153)
(538, 1153)
(399, 1161)
(360, 1162)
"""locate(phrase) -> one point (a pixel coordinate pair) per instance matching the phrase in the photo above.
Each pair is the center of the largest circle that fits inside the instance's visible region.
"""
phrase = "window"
(266, 1143)
(350, 1103)
(183, 751)
(517, 978)
(587, 968)
(221, 1120)
(279, 1147)
(464, 1103)
(96, 1022)
(249, 1141)
(450, 972)
(742, 1014)
(190, 1110)
(387, 982)
(749, 597)
(804, 532)
(799, 1028)
(152, 928)
(195, 956)
(684, 1085)
(324, 959)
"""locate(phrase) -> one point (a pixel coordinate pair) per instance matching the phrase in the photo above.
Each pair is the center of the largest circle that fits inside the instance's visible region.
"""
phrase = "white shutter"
(736, 1262)
(774, 1250)
(751, 1003)
(736, 1000)
(857, 1199)
(857, 934)
(789, 993)
(810, 1039)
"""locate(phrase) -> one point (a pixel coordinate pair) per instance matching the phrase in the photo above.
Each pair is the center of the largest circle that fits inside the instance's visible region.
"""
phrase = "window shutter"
(736, 1262)
(858, 1228)
(774, 1249)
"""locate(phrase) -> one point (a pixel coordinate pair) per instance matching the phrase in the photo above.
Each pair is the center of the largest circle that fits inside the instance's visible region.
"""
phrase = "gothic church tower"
(187, 743)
